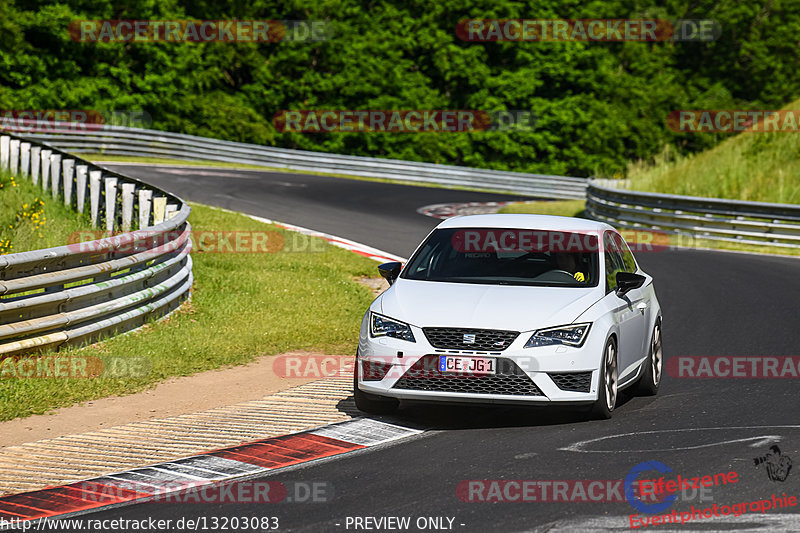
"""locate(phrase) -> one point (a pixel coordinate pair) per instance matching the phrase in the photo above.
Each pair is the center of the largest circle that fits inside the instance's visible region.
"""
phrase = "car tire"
(603, 408)
(371, 403)
(651, 377)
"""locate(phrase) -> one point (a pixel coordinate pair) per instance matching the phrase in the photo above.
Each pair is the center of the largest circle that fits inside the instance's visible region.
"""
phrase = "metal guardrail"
(79, 292)
(125, 141)
(775, 225)
(765, 224)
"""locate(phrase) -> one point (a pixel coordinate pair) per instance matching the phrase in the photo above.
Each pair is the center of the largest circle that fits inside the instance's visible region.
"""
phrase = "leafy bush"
(598, 105)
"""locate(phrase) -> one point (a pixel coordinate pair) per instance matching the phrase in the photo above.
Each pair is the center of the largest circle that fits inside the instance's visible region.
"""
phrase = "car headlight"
(384, 326)
(571, 335)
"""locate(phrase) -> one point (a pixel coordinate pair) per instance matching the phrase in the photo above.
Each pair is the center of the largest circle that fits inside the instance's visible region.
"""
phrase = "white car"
(513, 309)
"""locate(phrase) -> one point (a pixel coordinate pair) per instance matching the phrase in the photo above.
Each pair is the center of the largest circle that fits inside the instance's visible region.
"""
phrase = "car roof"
(518, 221)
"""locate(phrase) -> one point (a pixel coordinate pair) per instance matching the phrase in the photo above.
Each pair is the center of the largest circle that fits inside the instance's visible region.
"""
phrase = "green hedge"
(598, 104)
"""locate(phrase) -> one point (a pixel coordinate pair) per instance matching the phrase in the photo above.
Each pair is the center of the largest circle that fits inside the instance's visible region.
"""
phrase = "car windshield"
(499, 256)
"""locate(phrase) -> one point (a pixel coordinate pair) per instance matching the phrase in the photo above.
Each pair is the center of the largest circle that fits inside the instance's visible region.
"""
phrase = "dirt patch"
(173, 397)
(376, 285)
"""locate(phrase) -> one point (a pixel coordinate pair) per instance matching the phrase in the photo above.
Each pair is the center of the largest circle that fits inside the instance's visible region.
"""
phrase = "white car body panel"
(484, 306)
(524, 309)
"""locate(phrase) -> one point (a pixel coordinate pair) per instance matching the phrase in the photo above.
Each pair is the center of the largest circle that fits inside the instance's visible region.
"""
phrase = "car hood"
(466, 305)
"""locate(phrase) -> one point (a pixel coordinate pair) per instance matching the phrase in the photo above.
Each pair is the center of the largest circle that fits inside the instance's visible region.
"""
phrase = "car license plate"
(467, 365)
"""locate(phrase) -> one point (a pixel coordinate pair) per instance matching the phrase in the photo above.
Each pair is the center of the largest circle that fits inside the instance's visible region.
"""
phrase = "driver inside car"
(567, 263)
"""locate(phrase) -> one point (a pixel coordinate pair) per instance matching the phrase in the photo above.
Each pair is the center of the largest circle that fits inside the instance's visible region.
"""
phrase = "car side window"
(627, 256)
(614, 261)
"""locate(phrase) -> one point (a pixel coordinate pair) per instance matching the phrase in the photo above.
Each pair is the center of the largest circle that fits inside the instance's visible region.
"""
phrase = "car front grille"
(575, 381)
(424, 375)
(487, 340)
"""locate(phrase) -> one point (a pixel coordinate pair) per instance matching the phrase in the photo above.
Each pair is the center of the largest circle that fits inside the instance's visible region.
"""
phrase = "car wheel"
(654, 366)
(370, 403)
(607, 393)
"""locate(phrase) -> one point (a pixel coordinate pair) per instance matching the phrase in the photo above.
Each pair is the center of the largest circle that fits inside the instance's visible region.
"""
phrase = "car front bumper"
(541, 375)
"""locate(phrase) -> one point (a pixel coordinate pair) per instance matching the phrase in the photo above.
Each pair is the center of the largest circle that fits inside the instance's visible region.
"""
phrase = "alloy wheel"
(657, 358)
(611, 376)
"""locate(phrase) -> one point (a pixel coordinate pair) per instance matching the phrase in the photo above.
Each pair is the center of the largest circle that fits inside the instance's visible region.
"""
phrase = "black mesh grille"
(576, 381)
(424, 375)
(374, 370)
(487, 340)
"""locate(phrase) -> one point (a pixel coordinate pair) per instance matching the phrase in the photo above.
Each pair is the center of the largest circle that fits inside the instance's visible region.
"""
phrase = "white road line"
(761, 440)
(347, 244)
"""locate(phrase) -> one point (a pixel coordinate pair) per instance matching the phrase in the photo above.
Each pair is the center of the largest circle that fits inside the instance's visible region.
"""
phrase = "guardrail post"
(127, 205)
(159, 209)
(5, 148)
(39, 319)
(80, 183)
(14, 146)
(68, 167)
(55, 171)
(25, 158)
(145, 199)
(94, 195)
(45, 168)
(111, 203)
(35, 163)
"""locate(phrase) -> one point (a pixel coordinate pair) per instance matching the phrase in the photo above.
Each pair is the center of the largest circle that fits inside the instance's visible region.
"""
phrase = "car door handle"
(641, 306)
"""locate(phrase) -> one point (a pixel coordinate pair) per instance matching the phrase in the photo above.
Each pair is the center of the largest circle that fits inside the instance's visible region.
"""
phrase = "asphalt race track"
(382, 215)
(714, 304)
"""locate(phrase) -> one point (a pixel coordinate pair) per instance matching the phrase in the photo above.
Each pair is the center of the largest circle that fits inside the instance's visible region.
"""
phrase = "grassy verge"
(749, 166)
(31, 219)
(575, 208)
(563, 208)
(173, 161)
(243, 305)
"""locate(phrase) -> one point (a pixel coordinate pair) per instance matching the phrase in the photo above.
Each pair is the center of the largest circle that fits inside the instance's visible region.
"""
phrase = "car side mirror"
(390, 271)
(627, 281)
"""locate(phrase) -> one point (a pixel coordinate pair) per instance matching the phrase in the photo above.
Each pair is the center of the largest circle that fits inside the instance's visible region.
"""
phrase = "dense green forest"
(597, 105)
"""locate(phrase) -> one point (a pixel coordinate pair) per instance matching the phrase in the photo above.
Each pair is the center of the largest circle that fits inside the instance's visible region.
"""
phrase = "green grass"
(563, 208)
(738, 247)
(752, 166)
(173, 161)
(26, 224)
(243, 305)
